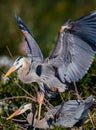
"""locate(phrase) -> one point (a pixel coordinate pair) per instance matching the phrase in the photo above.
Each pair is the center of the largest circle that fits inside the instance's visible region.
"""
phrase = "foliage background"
(44, 19)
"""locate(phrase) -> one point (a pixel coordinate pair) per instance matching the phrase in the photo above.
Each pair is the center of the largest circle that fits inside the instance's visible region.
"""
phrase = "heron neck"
(24, 74)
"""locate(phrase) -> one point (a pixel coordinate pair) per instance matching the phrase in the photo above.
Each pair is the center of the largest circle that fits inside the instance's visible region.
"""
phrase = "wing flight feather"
(32, 47)
(75, 48)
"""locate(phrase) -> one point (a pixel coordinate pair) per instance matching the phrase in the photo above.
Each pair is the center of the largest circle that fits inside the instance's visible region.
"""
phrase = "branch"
(19, 97)
(89, 119)
(17, 120)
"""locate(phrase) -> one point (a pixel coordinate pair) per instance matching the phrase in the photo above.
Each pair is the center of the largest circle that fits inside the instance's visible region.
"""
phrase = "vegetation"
(44, 19)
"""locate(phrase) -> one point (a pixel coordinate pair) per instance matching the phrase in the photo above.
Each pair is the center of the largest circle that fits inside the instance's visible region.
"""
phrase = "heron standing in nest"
(69, 61)
(68, 114)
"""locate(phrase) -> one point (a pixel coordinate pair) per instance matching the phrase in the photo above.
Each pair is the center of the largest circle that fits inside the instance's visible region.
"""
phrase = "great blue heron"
(70, 113)
(69, 61)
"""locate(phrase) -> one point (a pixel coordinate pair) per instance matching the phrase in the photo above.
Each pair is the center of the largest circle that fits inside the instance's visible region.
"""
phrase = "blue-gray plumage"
(69, 61)
(33, 50)
(70, 113)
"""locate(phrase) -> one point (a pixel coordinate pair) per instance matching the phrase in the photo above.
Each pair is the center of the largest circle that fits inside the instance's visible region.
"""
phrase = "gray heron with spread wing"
(69, 61)
(71, 113)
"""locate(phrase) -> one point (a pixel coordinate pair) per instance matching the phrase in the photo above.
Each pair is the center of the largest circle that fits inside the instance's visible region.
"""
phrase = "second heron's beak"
(17, 112)
(10, 71)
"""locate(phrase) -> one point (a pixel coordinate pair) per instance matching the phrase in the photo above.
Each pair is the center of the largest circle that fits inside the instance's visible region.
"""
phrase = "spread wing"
(75, 49)
(32, 48)
(74, 112)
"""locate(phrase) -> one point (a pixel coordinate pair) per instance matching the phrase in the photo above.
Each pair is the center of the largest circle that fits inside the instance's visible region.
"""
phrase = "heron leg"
(40, 98)
(77, 93)
(39, 111)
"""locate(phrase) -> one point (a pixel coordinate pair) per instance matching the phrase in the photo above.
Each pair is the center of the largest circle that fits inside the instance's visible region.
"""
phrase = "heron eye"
(39, 70)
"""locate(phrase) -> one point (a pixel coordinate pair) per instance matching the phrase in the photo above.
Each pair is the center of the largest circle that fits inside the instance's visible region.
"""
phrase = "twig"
(19, 97)
(49, 104)
(89, 118)
(21, 127)
(9, 51)
(21, 88)
(17, 120)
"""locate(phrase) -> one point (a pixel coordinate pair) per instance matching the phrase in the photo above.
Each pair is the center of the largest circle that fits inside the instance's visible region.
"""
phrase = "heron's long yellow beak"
(14, 114)
(10, 71)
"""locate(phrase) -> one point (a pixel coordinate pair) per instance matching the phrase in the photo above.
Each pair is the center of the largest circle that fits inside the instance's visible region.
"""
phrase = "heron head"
(17, 64)
(22, 109)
